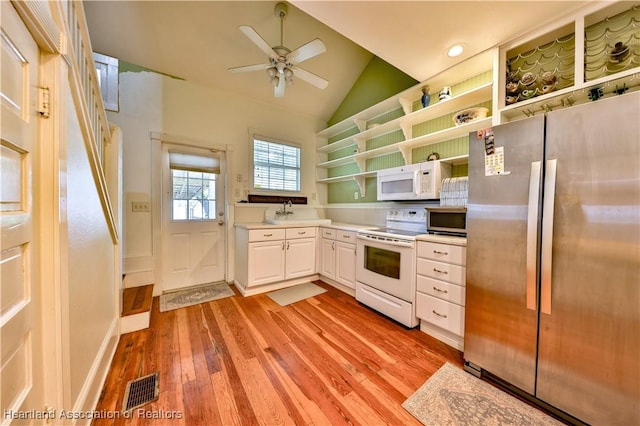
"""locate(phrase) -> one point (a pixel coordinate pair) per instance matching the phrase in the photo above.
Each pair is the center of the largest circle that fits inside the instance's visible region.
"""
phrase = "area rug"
(194, 295)
(453, 397)
(299, 292)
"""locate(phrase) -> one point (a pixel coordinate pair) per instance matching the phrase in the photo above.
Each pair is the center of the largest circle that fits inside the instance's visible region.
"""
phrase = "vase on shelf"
(445, 93)
(426, 97)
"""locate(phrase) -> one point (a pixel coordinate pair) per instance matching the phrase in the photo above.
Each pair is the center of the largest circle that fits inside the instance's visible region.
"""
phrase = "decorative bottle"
(426, 97)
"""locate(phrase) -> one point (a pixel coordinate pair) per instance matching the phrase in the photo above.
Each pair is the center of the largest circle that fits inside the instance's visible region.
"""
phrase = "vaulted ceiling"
(199, 40)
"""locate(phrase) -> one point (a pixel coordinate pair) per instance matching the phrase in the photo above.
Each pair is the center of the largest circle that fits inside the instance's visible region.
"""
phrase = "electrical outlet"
(355, 195)
(140, 206)
(239, 177)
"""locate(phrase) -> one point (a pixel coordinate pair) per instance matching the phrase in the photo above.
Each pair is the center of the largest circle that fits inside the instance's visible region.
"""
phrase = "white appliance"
(420, 181)
(386, 265)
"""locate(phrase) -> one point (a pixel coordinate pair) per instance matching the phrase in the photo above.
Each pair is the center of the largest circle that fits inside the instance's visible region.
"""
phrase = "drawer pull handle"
(346, 236)
(439, 314)
(439, 271)
(302, 233)
(441, 252)
(267, 235)
(439, 290)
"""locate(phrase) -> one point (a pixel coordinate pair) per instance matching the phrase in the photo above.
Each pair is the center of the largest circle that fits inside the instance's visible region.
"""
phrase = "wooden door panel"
(20, 326)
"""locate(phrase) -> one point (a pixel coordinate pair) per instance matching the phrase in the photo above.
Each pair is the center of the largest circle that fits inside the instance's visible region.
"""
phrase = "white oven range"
(386, 265)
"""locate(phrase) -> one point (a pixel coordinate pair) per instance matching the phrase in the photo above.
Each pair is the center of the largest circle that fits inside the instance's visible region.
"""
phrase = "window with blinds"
(276, 165)
(193, 179)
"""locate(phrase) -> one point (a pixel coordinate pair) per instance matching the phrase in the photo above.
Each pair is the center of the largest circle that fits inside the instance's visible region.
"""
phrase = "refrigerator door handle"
(547, 235)
(532, 233)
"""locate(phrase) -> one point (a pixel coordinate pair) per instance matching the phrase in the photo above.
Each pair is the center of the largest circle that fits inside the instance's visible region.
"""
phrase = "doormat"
(294, 294)
(194, 295)
(140, 392)
(454, 397)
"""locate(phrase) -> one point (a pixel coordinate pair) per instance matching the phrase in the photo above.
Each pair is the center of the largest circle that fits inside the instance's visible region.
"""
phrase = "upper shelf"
(406, 146)
(449, 106)
(459, 72)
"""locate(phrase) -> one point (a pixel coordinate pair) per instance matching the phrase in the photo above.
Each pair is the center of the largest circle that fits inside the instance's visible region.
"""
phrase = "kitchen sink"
(288, 215)
(294, 221)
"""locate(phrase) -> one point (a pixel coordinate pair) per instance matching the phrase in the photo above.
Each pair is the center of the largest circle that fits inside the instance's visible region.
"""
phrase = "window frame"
(252, 164)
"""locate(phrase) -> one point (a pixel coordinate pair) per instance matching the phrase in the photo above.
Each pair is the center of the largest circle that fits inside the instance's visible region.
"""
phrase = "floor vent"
(141, 391)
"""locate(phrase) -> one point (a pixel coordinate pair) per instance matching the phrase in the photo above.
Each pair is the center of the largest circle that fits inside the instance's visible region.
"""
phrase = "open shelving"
(597, 72)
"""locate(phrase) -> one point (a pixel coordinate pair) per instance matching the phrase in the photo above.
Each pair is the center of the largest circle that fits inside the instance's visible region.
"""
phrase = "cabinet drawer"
(307, 232)
(328, 233)
(443, 252)
(445, 315)
(442, 271)
(266, 234)
(441, 289)
(346, 236)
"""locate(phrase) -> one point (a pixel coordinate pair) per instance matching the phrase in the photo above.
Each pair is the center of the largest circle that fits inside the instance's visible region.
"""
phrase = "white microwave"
(420, 181)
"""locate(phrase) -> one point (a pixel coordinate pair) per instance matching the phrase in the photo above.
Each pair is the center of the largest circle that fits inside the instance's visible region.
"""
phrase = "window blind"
(276, 166)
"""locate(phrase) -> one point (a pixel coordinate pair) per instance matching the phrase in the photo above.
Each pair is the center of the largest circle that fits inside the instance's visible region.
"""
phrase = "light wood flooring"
(327, 360)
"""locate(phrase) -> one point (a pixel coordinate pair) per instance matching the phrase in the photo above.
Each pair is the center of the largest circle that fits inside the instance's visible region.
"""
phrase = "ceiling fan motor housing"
(281, 10)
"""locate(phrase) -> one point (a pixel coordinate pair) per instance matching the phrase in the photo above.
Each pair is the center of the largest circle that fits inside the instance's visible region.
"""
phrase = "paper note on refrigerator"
(494, 163)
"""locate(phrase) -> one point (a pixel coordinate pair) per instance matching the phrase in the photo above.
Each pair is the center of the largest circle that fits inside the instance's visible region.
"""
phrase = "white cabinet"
(300, 253)
(269, 255)
(338, 261)
(266, 262)
(440, 286)
(346, 263)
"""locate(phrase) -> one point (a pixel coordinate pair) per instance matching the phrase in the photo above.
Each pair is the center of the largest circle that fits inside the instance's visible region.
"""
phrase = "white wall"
(91, 295)
(150, 102)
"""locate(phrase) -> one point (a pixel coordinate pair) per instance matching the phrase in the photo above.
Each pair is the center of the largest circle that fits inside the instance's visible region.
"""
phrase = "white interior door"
(193, 231)
(20, 346)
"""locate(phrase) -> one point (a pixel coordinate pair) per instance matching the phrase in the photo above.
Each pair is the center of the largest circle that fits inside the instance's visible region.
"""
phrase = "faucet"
(284, 211)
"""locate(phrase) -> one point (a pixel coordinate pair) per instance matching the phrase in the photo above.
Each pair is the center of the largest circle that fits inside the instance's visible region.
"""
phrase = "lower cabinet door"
(300, 257)
(328, 258)
(346, 264)
(266, 262)
(445, 315)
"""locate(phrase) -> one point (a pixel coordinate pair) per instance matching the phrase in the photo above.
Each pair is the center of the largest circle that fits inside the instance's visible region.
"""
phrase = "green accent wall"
(379, 81)
(129, 67)
(343, 192)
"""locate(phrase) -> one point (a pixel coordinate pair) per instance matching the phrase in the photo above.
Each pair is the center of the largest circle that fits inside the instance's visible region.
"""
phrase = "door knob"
(220, 222)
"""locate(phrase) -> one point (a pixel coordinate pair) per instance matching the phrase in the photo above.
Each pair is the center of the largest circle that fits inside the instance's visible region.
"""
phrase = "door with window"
(193, 225)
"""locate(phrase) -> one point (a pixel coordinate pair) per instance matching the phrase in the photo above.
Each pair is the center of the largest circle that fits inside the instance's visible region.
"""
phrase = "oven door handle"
(389, 243)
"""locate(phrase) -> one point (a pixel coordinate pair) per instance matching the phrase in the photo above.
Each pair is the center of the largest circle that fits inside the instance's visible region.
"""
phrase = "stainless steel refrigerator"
(553, 259)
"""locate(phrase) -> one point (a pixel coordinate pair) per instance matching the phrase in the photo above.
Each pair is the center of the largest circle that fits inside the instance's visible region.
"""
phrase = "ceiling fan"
(282, 65)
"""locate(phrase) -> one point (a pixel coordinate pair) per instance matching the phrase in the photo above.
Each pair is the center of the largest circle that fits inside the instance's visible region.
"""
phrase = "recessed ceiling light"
(455, 50)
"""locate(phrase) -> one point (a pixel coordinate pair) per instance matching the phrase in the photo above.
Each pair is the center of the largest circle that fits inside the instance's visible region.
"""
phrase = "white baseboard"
(445, 336)
(92, 388)
(137, 279)
(343, 288)
(273, 286)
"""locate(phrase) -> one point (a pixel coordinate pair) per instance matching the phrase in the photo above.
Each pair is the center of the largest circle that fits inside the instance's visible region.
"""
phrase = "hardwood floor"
(327, 360)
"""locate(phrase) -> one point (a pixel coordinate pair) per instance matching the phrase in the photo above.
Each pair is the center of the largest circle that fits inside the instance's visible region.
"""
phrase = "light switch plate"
(140, 206)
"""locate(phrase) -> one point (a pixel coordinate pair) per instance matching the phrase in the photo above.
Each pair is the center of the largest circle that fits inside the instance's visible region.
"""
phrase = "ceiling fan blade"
(311, 78)
(278, 91)
(306, 51)
(258, 41)
(247, 68)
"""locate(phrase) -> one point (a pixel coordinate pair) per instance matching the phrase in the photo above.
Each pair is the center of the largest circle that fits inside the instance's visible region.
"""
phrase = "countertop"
(443, 239)
(434, 238)
(334, 225)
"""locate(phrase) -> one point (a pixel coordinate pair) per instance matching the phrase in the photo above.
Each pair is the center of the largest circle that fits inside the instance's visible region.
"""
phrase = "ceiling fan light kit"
(282, 65)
